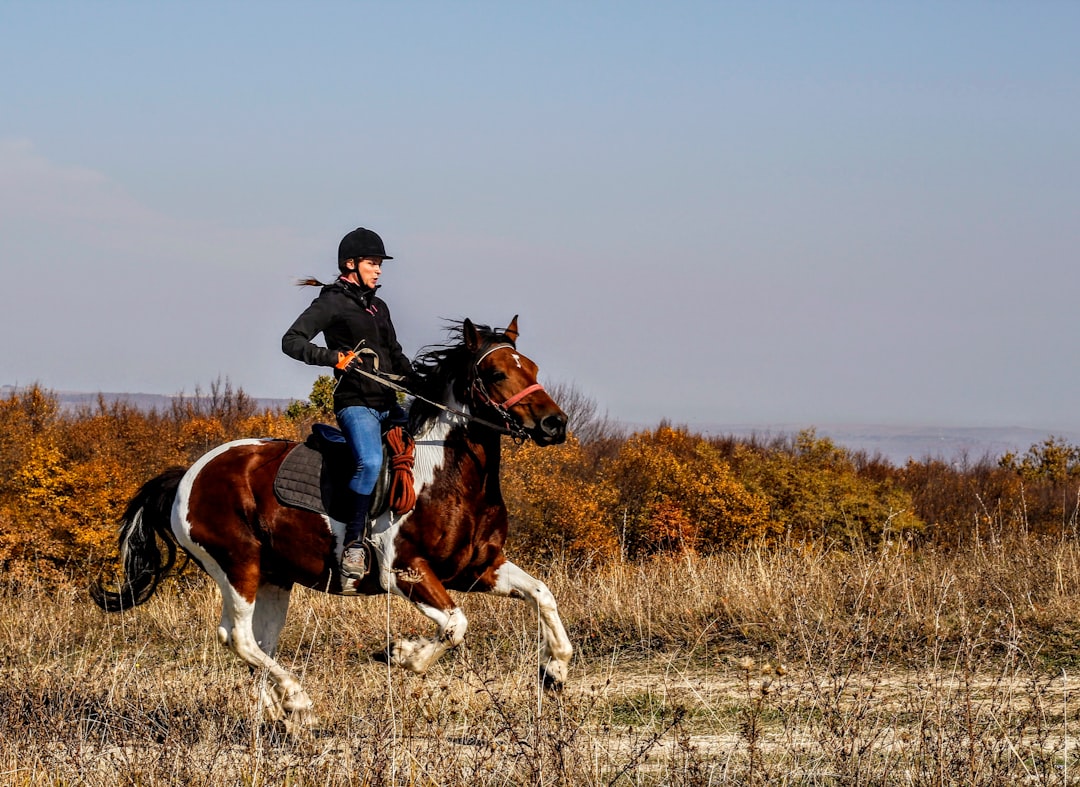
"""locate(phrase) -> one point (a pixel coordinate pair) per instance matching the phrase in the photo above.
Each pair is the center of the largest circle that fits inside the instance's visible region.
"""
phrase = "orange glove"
(345, 360)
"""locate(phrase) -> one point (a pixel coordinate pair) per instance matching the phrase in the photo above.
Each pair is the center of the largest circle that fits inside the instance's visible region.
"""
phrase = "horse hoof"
(301, 724)
(382, 656)
(551, 681)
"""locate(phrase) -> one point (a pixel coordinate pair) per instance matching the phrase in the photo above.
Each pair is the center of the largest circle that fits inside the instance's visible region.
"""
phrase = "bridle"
(481, 394)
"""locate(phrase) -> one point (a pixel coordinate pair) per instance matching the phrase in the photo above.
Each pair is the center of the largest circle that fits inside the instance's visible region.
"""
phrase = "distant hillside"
(72, 400)
(898, 443)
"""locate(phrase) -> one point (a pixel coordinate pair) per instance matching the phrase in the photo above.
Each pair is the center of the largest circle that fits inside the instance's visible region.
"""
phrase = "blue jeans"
(363, 429)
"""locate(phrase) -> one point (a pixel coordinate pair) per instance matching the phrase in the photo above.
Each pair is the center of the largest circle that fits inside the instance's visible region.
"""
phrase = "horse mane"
(438, 366)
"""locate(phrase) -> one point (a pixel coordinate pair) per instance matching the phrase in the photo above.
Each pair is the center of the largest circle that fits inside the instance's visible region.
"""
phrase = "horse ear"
(472, 338)
(511, 330)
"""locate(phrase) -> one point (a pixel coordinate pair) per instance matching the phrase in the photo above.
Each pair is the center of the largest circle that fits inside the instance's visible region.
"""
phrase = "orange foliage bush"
(199, 435)
(555, 507)
(675, 491)
(817, 493)
(1037, 492)
(66, 476)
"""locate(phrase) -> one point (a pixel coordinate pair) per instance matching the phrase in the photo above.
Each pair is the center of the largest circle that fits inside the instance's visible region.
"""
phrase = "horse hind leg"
(271, 609)
(246, 630)
(268, 619)
(555, 647)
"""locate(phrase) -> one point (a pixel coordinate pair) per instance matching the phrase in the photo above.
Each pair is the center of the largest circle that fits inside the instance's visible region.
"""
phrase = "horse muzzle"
(551, 430)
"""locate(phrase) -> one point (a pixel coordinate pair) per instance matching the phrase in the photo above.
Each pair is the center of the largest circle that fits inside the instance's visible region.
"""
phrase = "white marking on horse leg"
(240, 628)
(271, 609)
(418, 654)
(555, 649)
(290, 693)
(224, 630)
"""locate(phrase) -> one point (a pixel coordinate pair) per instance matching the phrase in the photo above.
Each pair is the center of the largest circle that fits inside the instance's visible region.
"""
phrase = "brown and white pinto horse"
(223, 512)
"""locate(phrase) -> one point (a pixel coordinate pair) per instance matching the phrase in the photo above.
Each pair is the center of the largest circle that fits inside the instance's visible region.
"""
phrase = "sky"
(705, 212)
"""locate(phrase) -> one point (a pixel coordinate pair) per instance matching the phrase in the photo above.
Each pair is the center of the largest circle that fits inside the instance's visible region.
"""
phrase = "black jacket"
(345, 314)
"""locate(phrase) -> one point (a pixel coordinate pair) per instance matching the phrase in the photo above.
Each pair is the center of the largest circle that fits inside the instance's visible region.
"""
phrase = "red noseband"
(522, 394)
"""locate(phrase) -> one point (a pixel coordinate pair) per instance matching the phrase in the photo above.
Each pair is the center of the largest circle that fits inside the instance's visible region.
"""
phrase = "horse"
(223, 512)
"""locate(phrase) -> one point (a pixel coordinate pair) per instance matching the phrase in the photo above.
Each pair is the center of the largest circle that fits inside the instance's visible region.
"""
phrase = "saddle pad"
(300, 481)
(317, 478)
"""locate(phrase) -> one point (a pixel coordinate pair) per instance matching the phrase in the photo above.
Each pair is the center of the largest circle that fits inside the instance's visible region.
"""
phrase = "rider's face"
(368, 270)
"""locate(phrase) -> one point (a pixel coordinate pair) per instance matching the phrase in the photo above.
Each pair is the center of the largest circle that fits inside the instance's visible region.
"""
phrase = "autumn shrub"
(221, 403)
(675, 492)
(318, 408)
(959, 504)
(557, 507)
(816, 492)
(1051, 460)
(1037, 492)
(120, 432)
(198, 435)
(24, 417)
(269, 423)
(66, 476)
(1049, 474)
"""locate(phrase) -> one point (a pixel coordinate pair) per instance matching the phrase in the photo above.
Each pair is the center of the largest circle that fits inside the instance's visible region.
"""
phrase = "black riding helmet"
(360, 243)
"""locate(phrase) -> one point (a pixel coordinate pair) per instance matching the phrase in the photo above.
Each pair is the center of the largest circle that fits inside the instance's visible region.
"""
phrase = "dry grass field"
(781, 667)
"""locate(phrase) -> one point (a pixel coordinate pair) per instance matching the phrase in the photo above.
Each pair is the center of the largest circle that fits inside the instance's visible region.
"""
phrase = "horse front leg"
(418, 584)
(555, 647)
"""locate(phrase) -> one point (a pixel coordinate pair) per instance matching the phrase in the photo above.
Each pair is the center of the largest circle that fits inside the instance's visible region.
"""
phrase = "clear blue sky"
(716, 212)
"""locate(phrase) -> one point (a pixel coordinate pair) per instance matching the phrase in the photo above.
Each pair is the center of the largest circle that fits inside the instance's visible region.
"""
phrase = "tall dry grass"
(783, 667)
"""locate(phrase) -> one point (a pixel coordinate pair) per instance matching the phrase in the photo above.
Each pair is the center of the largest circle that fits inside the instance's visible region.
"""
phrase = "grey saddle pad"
(315, 476)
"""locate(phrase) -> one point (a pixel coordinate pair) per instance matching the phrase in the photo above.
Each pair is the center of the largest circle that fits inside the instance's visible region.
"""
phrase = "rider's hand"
(345, 360)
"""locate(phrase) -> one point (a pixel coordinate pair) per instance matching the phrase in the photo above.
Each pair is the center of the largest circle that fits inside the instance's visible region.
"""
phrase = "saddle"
(315, 474)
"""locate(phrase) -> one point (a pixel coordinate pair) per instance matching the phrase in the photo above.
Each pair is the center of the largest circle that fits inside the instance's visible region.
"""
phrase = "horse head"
(504, 380)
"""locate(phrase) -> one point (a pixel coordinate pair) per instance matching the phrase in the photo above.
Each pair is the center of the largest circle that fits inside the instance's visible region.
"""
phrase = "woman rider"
(352, 318)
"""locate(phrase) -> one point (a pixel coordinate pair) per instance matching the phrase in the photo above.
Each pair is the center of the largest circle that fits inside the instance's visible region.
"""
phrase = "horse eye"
(496, 377)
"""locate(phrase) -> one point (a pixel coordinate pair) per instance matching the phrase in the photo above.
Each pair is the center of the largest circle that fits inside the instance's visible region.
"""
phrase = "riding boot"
(354, 555)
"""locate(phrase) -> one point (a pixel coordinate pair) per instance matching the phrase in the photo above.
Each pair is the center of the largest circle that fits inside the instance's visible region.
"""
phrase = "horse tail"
(148, 515)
